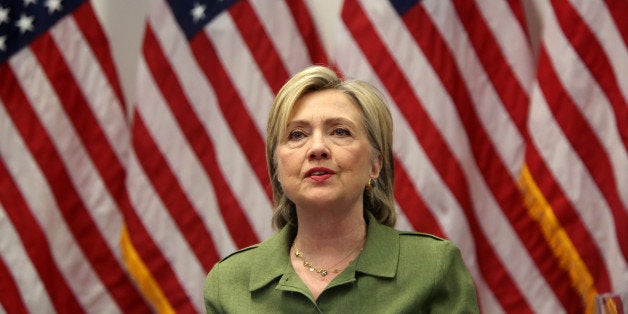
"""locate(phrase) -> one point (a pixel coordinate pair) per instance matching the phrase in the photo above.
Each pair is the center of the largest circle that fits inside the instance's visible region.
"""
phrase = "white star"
(198, 12)
(25, 23)
(27, 2)
(53, 6)
(4, 15)
(3, 45)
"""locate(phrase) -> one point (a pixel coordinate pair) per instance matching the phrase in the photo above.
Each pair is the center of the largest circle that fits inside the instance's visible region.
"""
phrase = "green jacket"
(397, 272)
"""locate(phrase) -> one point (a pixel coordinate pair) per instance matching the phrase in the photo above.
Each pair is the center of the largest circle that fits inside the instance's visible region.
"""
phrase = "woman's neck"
(325, 244)
(327, 232)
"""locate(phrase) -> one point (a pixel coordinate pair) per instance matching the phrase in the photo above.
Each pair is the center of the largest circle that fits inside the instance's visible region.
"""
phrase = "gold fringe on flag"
(559, 241)
(142, 276)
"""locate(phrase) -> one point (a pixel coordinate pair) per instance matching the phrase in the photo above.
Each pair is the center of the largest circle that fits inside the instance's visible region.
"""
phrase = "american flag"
(516, 154)
(63, 143)
(197, 177)
(510, 140)
(458, 153)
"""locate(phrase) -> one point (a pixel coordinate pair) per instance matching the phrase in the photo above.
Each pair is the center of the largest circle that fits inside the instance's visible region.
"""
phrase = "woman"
(329, 154)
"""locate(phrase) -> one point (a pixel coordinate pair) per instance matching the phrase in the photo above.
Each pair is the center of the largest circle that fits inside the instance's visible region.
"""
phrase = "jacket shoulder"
(240, 252)
(419, 235)
(419, 243)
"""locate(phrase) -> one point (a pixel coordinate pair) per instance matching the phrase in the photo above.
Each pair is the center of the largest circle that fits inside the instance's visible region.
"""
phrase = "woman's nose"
(319, 148)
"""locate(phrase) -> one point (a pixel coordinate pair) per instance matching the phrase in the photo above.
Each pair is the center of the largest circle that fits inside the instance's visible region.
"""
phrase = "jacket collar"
(272, 258)
(379, 257)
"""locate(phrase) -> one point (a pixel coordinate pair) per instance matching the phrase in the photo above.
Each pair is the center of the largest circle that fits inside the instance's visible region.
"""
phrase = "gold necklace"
(322, 271)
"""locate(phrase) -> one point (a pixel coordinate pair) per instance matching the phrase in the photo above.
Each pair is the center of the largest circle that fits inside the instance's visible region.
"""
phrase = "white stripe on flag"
(578, 186)
(241, 177)
(13, 252)
(597, 14)
(77, 162)
(284, 34)
(163, 230)
(245, 75)
(69, 258)
(437, 196)
(102, 99)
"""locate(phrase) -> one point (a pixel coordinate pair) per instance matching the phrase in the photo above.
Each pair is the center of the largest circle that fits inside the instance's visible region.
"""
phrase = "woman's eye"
(341, 132)
(296, 135)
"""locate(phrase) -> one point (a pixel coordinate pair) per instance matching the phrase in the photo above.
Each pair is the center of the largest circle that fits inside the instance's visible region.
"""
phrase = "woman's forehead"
(327, 103)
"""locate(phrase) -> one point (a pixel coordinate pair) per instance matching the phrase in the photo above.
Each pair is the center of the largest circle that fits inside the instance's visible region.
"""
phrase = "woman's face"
(325, 159)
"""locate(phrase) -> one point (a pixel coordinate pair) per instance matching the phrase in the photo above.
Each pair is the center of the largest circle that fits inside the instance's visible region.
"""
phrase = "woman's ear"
(376, 165)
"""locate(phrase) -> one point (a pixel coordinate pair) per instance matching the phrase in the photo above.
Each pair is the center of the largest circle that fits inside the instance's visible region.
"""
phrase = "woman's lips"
(319, 174)
(320, 178)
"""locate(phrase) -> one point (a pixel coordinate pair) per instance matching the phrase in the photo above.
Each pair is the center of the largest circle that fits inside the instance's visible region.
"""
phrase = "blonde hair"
(377, 122)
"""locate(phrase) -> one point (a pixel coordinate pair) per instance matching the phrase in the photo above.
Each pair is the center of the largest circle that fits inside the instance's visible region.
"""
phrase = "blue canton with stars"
(22, 21)
(402, 6)
(193, 15)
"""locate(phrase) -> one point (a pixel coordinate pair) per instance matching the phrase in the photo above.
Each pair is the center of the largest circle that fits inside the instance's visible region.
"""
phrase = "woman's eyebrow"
(340, 120)
(327, 122)
(297, 123)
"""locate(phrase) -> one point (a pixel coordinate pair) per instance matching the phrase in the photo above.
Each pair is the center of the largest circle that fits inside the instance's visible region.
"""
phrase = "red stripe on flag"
(593, 56)
(96, 143)
(260, 45)
(11, 300)
(154, 260)
(237, 222)
(83, 228)
(32, 236)
(412, 204)
(173, 196)
(619, 12)
(98, 41)
(78, 111)
(233, 109)
(113, 173)
(503, 79)
(579, 235)
(302, 16)
(491, 267)
(517, 8)
(494, 172)
(585, 143)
